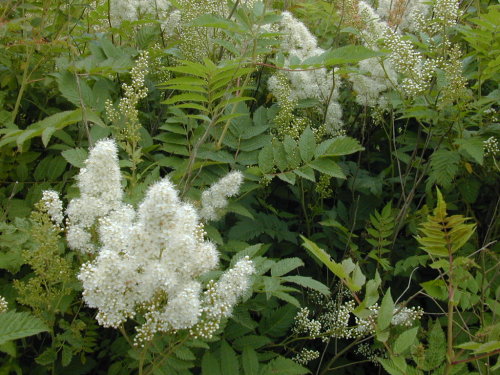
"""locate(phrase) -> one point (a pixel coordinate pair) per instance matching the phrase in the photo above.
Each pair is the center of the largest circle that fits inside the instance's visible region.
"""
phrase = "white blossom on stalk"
(53, 205)
(213, 200)
(321, 84)
(100, 193)
(148, 260)
(3, 304)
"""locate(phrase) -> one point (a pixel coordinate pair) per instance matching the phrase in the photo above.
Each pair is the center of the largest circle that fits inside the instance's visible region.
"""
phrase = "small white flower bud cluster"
(304, 324)
(336, 319)
(402, 316)
(366, 351)
(126, 117)
(3, 304)
(53, 205)
(148, 260)
(219, 298)
(213, 200)
(491, 146)
(305, 356)
(298, 42)
(417, 71)
(446, 14)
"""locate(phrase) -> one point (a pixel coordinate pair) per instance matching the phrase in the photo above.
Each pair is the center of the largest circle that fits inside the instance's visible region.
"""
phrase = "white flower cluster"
(134, 10)
(53, 205)
(100, 193)
(491, 146)
(376, 75)
(446, 14)
(148, 260)
(417, 70)
(304, 324)
(298, 43)
(213, 200)
(3, 304)
(305, 356)
(402, 316)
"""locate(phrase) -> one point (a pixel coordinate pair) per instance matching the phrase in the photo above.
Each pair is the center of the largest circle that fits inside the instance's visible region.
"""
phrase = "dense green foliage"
(374, 237)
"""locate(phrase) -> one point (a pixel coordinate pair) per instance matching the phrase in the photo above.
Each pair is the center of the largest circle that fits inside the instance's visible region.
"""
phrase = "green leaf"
(286, 265)
(283, 366)
(308, 282)
(340, 146)
(266, 159)
(66, 356)
(390, 366)
(405, 340)
(250, 361)
(473, 148)
(210, 365)
(279, 154)
(228, 361)
(324, 258)
(328, 166)
(385, 312)
(75, 157)
(16, 325)
(307, 145)
(343, 55)
(305, 172)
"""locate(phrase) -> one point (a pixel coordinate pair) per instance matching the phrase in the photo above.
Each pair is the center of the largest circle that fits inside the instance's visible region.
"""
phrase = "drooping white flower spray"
(3, 304)
(53, 205)
(298, 42)
(148, 260)
(100, 193)
(214, 199)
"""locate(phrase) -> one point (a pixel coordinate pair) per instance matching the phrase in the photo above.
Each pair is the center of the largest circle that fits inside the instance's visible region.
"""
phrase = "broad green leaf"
(283, 366)
(75, 157)
(250, 361)
(327, 166)
(266, 159)
(339, 146)
(405, 340)
(308, 282)
(16, 325)
(307, 145)
(343, 55)
(385, 312)
(286, 265)
(210, 365)
(324, 258)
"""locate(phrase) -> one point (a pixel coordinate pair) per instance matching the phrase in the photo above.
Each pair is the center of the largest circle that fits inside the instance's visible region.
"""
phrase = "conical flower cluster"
(147, 260)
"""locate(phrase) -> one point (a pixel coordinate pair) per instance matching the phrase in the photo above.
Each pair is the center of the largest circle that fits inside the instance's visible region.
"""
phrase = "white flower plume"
(213, 200)
(148, 260)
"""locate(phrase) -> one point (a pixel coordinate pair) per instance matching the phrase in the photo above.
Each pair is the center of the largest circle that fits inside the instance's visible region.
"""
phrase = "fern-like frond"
(443, 235)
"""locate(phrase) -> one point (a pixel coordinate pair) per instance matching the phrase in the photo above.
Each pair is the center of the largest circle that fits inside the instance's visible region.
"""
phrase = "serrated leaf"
(405, 340)
(283, 366)
(327, 166)
(16, 325)
(343, 55)
(210, 365)
(286, 265)
(228, 361)
(307, 145)
(266, 159)
(250, 361)
(75, 157)
(324, 258)
(342, 146)
(385, 312)
(308, 282)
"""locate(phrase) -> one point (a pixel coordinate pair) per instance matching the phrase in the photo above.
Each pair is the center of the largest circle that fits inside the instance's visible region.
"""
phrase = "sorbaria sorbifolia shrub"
(149, 260)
